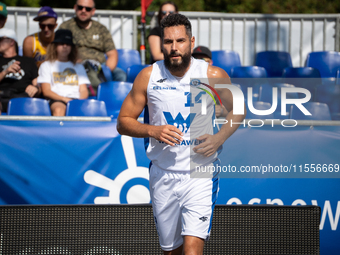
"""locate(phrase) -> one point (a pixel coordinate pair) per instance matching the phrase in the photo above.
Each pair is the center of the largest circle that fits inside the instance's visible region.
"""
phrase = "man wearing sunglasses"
(35, 45)
(94, 41)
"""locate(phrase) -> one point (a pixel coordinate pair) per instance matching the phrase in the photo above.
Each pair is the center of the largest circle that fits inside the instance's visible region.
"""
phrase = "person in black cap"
(3, 14)
(202, 52)
(35, 45)
(62, 79)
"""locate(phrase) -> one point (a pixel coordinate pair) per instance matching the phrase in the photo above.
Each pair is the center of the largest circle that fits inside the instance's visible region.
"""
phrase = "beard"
(83, 22)
(177, 65)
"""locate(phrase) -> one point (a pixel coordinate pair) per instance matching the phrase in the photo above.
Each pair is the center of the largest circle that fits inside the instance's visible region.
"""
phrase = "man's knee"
(118, 74)
(193, 245)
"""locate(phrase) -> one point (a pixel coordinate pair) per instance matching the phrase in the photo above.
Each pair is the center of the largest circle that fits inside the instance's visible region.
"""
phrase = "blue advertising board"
(86, 162)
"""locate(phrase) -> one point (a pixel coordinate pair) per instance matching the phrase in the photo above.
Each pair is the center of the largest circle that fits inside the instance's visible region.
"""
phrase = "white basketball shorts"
(181, 205)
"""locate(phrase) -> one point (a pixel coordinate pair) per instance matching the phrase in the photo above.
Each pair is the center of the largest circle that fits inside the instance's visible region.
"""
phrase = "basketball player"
(179, 137)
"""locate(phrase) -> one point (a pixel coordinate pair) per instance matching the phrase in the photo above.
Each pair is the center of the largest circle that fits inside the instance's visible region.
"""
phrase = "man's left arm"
(112, 59)
(212, 142)
(109, 48)
(32, 89)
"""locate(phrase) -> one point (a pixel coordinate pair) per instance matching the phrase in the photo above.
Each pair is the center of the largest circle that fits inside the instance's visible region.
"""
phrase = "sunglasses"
(80, 8)
(50, 26)
(165, 12)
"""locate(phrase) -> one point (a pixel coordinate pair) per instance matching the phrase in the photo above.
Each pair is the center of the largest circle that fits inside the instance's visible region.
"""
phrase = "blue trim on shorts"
(213, 199)
(215, 181)
(146, 121)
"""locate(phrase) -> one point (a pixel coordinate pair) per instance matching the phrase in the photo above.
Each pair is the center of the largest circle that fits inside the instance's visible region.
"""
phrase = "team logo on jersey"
(162, 80)
(179, 122)
(203, 218)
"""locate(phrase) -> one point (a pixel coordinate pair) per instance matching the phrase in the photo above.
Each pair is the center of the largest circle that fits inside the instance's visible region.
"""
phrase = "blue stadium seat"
(266, 94)
(113, 94)
(225, 59)
(258, 105)
(337, 81)
(319, 111)
(327, 62)
(335, 116)
(133, 71)
(127, 58)
(303, 77)
(249, 76)
(274, 62)
(248, 72)
(28, 106)
(330, 95)
(86, 107)
(107, 73)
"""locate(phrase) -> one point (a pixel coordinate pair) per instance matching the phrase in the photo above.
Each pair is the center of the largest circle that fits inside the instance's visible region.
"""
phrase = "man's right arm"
(13, 68)
(133, 105)
(27, 47)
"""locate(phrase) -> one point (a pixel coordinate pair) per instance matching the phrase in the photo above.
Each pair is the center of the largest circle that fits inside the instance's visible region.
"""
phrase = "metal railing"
(247, 34)
(123, 25)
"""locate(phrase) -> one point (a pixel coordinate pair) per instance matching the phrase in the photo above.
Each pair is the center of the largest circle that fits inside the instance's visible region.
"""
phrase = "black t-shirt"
(16, 83)
(155, 31)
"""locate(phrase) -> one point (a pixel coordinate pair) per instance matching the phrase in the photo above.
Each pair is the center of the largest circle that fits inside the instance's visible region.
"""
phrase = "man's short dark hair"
(176, 19)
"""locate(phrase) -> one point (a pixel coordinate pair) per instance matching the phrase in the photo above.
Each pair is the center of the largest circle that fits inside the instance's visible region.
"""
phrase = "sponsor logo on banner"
(134, 177)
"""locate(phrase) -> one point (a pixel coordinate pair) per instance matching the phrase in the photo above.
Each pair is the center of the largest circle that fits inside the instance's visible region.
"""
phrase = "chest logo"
(179, 122)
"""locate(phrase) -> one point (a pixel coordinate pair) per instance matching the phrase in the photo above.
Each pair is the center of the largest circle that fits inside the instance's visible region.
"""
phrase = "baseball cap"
(202, 50)
(44, 12)
(3, 9)
(8, 33)
(63, 36)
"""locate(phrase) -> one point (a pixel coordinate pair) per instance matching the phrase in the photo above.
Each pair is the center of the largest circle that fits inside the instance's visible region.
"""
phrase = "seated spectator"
(18, 77)
(62, 79)
(202, 52)
(35, 45)
(94, 43)
(3, 14)
(154, 37)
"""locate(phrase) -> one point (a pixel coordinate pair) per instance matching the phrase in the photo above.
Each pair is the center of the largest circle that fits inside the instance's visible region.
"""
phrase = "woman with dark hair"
(154, 38)
(62, 79)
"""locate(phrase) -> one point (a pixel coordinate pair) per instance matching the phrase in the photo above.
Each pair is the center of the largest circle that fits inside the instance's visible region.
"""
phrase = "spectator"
(202, 52)
(3, 14)
(18, 77)
(3, 19)
(94, 41)
(154, 38)
(35, 45)
(62, 79)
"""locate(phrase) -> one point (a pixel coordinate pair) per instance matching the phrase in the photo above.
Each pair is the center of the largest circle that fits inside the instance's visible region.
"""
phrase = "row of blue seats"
(318, 111)
(324, 64)
(326, 104)
(112, 94)
(274, 62)
(109, 100)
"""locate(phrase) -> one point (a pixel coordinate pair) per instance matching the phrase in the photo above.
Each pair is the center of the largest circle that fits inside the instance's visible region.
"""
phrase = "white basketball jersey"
(173, 101)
